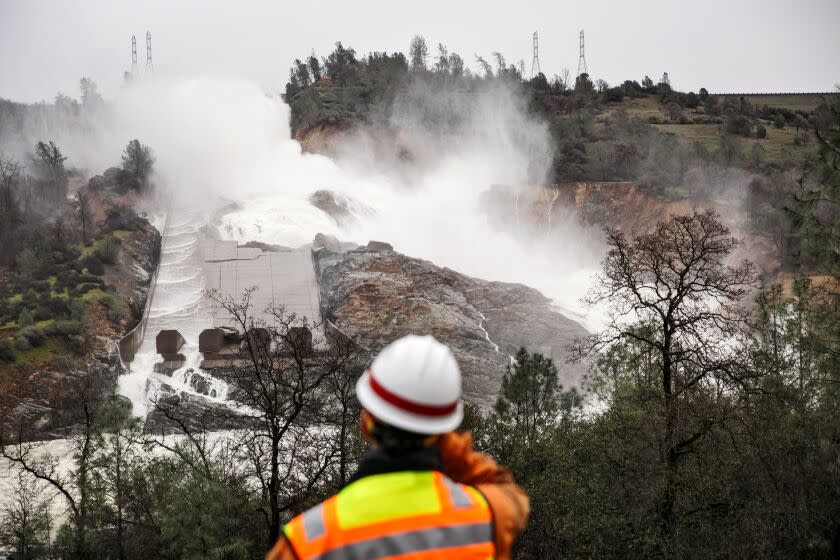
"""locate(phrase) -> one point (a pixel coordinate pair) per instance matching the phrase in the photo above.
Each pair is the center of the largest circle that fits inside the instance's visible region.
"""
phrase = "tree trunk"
(273, 491)
(666, 507)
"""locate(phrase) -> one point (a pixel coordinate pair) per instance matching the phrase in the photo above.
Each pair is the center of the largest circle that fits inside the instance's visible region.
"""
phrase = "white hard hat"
(414, 384)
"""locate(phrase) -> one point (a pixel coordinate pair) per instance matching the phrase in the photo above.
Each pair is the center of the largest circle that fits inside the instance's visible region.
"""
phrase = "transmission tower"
(133, 54)
(149, 66)
(582, 60)
(535, 63)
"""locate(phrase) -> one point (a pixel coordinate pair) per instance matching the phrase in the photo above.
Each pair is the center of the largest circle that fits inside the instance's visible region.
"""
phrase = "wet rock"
(377, 297)
(331, 243)
(175, 410)
(379, 246)
(340, 208)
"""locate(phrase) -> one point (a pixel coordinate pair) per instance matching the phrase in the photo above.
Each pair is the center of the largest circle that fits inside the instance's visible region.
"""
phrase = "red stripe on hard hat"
(407, 405)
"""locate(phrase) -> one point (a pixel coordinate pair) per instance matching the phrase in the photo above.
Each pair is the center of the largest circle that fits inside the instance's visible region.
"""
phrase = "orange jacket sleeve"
(281, 550)
(507, 500)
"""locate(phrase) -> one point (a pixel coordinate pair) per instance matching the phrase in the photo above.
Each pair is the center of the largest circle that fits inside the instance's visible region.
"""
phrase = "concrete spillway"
(192, 264)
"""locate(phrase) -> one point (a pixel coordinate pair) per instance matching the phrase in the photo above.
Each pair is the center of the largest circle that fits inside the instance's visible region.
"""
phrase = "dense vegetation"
(56, 247)
(600, 132)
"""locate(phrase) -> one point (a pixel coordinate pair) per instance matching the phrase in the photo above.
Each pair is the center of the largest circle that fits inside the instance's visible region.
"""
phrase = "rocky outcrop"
(614, 204)
(376, 296)
(177, 411)
(131, 274)
(47, 403)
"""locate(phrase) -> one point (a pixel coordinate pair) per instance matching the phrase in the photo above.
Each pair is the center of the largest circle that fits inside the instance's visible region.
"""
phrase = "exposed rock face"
(176, 410)
(378, 297)
(615, 204)
(46, 403)
(132, 273)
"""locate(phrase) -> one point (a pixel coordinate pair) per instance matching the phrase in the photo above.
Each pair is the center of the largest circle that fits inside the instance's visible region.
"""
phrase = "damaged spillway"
(178, 304)
(188, 336)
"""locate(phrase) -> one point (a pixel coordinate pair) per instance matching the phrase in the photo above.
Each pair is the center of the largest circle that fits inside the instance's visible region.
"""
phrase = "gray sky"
(723, 45)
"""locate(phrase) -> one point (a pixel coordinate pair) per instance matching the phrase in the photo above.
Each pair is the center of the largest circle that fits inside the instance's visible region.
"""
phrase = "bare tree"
(284, 381)
(10, 212)
(674, 300)
(83, 401)
(25, 525)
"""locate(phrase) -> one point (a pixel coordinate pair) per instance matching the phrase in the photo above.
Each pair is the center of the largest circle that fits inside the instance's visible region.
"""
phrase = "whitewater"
(223, 143)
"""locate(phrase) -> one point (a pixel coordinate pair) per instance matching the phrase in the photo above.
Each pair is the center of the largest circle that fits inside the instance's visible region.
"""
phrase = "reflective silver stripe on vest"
(457, 493)
(313, 523)
(411, 541)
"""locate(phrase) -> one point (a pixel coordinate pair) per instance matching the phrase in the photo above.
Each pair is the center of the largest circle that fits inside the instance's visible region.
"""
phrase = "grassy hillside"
(791, 101)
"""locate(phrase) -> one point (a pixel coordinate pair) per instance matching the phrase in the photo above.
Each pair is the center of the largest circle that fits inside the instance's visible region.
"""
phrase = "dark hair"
(392, 438)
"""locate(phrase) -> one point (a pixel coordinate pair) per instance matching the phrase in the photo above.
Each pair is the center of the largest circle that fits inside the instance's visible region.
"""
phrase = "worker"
(421, 492)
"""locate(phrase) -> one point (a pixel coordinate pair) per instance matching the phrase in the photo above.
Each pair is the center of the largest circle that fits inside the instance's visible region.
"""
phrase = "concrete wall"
(130, 343)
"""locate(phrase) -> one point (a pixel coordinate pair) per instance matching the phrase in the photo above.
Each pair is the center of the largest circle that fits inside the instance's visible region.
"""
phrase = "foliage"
(137, 163)
(814, 207)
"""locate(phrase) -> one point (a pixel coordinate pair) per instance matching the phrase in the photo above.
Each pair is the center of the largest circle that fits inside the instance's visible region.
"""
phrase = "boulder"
(379, 246)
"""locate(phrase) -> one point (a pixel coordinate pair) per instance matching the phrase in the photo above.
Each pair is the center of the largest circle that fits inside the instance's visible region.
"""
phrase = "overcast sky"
(723, 45)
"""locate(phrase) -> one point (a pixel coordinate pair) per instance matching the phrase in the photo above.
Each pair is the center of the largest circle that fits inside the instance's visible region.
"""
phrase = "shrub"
(32, 334)
(64, 328)
(737, 124)
(40, 286)
(760, 131)
(121, 217)
(83, 288)
(59, 307)
(26, 318)
(93, 265)
(779, 120)
(7, 352)
(108, 249)
(22, 344)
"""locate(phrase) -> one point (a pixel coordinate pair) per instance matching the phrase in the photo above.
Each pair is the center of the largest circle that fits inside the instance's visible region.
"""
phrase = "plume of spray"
(224, 139)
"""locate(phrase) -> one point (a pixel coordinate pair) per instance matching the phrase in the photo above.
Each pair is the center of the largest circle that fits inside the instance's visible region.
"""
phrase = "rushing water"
(178, 303)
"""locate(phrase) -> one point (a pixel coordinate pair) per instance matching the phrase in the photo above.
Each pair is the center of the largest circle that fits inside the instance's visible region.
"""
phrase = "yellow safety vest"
(410, 515)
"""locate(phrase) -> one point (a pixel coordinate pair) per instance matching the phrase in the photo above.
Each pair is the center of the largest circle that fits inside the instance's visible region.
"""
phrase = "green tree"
(814, 206)
(730, 150)
(418, 52)
(314, 67)
(757, 155)
(528, 397)
(137, 164)
(49, 166)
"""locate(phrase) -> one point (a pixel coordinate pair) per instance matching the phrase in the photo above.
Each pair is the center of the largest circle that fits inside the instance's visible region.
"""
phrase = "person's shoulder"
(282, 550)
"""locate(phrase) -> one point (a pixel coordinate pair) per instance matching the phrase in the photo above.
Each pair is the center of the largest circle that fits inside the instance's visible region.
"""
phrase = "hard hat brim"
(394, 416)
